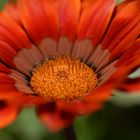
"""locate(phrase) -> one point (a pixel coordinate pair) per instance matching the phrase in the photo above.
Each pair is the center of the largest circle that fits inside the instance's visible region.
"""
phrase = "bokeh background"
(118, 120)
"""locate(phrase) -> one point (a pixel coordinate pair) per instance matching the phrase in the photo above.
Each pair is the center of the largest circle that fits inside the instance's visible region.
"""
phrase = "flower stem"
(70, 133)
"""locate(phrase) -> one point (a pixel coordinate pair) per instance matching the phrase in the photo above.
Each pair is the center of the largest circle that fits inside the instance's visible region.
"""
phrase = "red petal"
(95, 18)
(124, 28)
(5, 79)
(7, 87)
(8, 113)
(91, 103)
(69, 12)
(10, 95)
(4, 69)
(54, 118)
(39, 22)
(11, 10)
(132, 53)
(9, 108)
(127, 63)
(30, 100)
(131, 85)
(80, 107)
(12, 34)
(51, 15)
(6, 84)
(7, 54)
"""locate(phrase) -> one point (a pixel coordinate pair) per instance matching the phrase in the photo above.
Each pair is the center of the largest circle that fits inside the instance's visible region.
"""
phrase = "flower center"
(63, 78)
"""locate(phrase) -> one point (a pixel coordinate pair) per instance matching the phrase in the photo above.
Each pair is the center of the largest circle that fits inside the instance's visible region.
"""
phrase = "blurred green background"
(119, 120)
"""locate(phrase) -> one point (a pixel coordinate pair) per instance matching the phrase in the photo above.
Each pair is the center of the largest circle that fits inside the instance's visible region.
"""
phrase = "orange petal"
(53, 118)
(124, 28)
(95, 17)
(8, 113)
(39, 18)
(131, 85)
(11, 10)
(69, 12)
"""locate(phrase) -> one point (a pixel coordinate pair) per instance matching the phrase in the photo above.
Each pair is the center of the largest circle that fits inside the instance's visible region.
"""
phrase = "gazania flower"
(66, 57)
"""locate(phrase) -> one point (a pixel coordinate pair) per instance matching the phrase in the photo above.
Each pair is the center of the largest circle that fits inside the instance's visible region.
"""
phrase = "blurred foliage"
(28, 127)
(2, 2)
(111, 123)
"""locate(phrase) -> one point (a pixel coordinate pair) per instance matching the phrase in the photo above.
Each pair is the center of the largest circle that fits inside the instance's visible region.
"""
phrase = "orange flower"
(66, 57)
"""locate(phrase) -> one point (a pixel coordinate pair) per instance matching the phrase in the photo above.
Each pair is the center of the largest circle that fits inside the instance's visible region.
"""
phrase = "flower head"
(66, 57)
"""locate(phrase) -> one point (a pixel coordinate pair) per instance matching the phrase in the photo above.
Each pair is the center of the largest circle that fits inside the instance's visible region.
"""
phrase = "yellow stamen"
(63, 78)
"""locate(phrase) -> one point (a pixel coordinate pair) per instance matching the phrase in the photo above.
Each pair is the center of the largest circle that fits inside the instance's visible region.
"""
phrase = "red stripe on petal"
(95, 18)
(69, 13)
